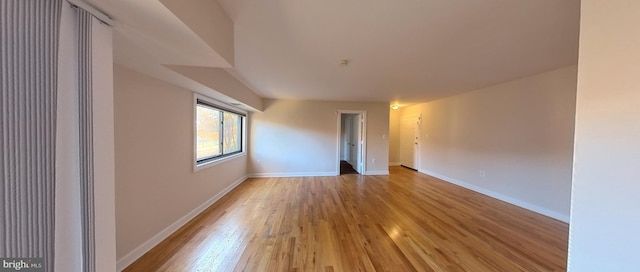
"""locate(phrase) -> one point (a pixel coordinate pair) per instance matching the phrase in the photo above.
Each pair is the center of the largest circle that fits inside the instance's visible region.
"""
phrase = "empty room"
(244, 135)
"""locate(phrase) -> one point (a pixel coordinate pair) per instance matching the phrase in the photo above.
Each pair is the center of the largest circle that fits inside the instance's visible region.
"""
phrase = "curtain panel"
(29, 56)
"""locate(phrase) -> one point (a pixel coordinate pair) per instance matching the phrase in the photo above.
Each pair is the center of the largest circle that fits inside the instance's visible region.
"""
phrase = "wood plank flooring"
(406, 221)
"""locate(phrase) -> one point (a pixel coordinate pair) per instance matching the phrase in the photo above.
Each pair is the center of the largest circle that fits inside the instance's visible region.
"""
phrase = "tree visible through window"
(218, 132)
(231, 140)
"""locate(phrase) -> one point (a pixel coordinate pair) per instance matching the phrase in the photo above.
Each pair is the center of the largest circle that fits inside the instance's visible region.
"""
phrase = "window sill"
(208, 164)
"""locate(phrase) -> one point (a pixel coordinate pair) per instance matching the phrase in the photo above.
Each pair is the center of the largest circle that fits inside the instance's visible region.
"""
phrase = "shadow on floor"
(346, 168)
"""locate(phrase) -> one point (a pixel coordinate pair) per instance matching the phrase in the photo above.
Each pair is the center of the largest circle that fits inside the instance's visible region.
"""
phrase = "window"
(219, 132)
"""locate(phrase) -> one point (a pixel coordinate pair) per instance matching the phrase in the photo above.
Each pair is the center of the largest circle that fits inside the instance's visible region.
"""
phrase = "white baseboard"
(377, 173)
(132, 256)
(499, 196)
(394, 163)
(309, 174)
(292, 174)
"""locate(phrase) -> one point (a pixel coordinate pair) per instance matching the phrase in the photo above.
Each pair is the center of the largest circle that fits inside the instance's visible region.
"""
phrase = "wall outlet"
(483, 174)
(373, 160)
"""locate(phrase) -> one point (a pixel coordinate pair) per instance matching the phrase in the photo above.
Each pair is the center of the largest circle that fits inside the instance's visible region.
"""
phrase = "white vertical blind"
(85, 98)
(85, 219)
(68, 244)
(28, 74)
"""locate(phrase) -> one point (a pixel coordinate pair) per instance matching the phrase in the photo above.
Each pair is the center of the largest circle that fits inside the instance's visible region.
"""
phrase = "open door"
(345, 145)
(351, 140)
(356, 142)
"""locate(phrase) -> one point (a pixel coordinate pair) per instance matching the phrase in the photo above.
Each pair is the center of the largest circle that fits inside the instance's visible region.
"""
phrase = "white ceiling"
(410, 50)
(398, 51)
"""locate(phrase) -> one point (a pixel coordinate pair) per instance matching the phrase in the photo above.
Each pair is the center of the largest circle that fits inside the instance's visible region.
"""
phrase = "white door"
(356, 142)
(346, 138)
(409, 131)
(353, 141)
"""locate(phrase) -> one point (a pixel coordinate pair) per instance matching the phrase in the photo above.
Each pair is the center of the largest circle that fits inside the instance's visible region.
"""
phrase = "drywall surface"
(513, 141)
(209, 21)
(394, 137)
(300, 138)
(605, 209)
(221, 81)
(156, 185)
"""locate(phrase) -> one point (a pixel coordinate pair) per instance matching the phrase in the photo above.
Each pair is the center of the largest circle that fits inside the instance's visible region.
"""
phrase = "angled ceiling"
(163, 38)
(407, 51)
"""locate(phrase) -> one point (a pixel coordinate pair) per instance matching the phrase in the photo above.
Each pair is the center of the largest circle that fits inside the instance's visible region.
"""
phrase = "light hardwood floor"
(406, 221)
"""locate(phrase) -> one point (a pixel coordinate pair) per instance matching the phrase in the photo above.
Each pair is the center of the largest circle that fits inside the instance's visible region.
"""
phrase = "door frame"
(363, 151)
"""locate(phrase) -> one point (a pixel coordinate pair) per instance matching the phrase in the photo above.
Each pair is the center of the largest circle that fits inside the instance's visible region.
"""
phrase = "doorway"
(351, 142)
(409, 141)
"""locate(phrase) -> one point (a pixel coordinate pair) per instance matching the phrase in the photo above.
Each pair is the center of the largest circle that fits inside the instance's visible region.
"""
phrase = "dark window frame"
(241, 138)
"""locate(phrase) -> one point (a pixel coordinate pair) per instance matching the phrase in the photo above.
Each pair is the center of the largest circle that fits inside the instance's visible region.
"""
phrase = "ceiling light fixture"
(344, 63)
(395, 107)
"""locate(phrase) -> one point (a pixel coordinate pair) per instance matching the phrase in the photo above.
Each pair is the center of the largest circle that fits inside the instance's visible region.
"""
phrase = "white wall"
(293, 137)
(605, 211)
(156, 188)
(221, 83)
(394, 137)
(519, 133)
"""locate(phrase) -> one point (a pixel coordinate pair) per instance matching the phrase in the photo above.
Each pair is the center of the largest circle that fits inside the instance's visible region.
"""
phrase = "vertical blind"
(85, 109)
(28, 74)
